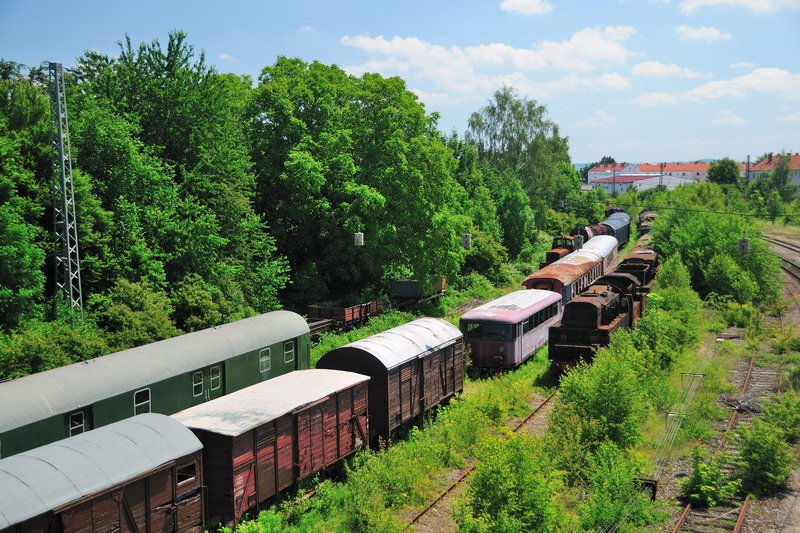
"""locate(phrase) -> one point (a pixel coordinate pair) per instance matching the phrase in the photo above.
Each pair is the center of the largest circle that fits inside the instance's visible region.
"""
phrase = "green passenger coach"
(163, 377)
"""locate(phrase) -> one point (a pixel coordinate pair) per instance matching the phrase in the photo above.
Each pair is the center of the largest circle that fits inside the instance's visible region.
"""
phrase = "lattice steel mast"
(68, 264)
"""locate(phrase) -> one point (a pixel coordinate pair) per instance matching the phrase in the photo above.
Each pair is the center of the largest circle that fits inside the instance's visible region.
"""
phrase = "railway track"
(466, 473)
(755, 385)
(789, 254)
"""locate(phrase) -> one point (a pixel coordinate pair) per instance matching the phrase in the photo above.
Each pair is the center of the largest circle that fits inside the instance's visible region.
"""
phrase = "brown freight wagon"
(343, 313)
(141, 474)
(412, 368)
(264, 439)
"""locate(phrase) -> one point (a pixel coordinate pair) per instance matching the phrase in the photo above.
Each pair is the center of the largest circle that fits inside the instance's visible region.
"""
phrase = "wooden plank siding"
(253, 468)
(156, 502)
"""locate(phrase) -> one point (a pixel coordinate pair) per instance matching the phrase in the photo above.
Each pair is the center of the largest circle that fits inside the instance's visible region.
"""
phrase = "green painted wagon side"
(164, 377)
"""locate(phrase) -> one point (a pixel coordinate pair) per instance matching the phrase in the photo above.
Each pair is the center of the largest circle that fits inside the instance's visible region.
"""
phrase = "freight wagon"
(162, 377)
(261, 440)
(412, 369)
(140, 474)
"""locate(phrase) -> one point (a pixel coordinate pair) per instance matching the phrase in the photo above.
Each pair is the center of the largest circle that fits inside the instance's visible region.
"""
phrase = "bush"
(784, 414)
(725, 277)
(765, 459)
(614, 496)
(706, 486)
(513, 489)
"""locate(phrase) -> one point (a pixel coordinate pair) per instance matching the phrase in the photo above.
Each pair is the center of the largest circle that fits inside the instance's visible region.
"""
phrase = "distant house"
(640, 182)
(692, 171)
(619, 184)
(609, 170)
(770, 163)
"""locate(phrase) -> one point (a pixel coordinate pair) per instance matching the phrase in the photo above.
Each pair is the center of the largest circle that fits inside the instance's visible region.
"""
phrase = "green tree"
(133, 314)
(335, 154)
(725, 172)
(513, 135)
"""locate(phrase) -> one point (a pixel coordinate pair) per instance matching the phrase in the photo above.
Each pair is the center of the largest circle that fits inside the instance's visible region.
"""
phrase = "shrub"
(784, 414)
(706, 486)
(513, 489)
(614, 496)
(725, 277)
(765, 460)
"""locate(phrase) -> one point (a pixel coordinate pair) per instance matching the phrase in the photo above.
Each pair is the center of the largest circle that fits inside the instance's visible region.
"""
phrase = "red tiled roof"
(675, 167)
(771, 161)
(608, 167)
(624, 178)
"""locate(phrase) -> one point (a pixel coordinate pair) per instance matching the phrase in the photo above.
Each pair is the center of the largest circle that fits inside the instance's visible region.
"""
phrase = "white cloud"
(526, 7)
(743, 64)
(663, 70)
(701, 33)
(763, 80)
(598, 118)
(759, 6)
(586, 48)
(794, 117)
(306, 29)
(473, 70)
(226, 57)
(431, 99)
(655, 99)
(729, 118)
(774, 81)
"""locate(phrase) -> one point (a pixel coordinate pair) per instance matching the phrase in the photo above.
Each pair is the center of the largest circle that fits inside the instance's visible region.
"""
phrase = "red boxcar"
(264, 439)
(412, 368)
(140, 474)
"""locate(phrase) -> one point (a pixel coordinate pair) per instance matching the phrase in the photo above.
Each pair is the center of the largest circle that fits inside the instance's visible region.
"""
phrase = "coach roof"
(46, 478)
(62, 390)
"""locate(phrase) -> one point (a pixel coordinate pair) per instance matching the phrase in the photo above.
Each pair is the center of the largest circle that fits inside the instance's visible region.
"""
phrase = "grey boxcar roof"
(48, 477)
(414, 339)
(258, 404)
(61, 390)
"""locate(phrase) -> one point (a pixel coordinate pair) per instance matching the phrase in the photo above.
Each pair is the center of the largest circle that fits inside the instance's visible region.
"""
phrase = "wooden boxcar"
(571, 275)
(263, 439)
(342, 313)
(412, 368)
(162, 377)
(505, 332)
(140, 474)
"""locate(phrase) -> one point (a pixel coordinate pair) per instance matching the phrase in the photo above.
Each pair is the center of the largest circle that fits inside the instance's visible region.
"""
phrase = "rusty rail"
(731, 422)
(471, 469)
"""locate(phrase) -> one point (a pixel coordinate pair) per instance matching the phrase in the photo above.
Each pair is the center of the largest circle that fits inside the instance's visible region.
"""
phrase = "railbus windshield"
(488, 331)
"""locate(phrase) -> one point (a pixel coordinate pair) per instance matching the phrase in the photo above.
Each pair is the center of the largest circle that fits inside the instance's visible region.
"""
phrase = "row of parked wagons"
(211, 462)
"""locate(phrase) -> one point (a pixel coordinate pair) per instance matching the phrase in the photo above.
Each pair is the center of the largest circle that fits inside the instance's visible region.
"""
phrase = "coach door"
(208, 384)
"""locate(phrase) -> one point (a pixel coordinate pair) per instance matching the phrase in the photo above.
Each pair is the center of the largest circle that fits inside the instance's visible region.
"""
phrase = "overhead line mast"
(68, 264)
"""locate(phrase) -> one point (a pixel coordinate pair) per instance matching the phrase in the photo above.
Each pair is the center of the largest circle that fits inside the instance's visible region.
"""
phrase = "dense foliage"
(202, 198)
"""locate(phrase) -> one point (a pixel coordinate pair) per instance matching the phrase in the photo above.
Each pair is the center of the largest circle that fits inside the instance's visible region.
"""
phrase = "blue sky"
(639, 80)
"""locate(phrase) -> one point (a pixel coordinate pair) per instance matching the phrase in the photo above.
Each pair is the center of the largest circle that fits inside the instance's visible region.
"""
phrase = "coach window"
(264, 360)
(288, 352)
(216, 378)
(141, 401)
(197, 384)
(526, 325)
(76, 425)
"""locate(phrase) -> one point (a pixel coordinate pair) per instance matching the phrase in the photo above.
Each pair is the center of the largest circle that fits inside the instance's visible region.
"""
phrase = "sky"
(637, 80)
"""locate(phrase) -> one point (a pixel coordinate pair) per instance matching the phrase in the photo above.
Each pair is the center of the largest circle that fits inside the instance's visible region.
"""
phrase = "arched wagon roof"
(51, 476)
(417, 338)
